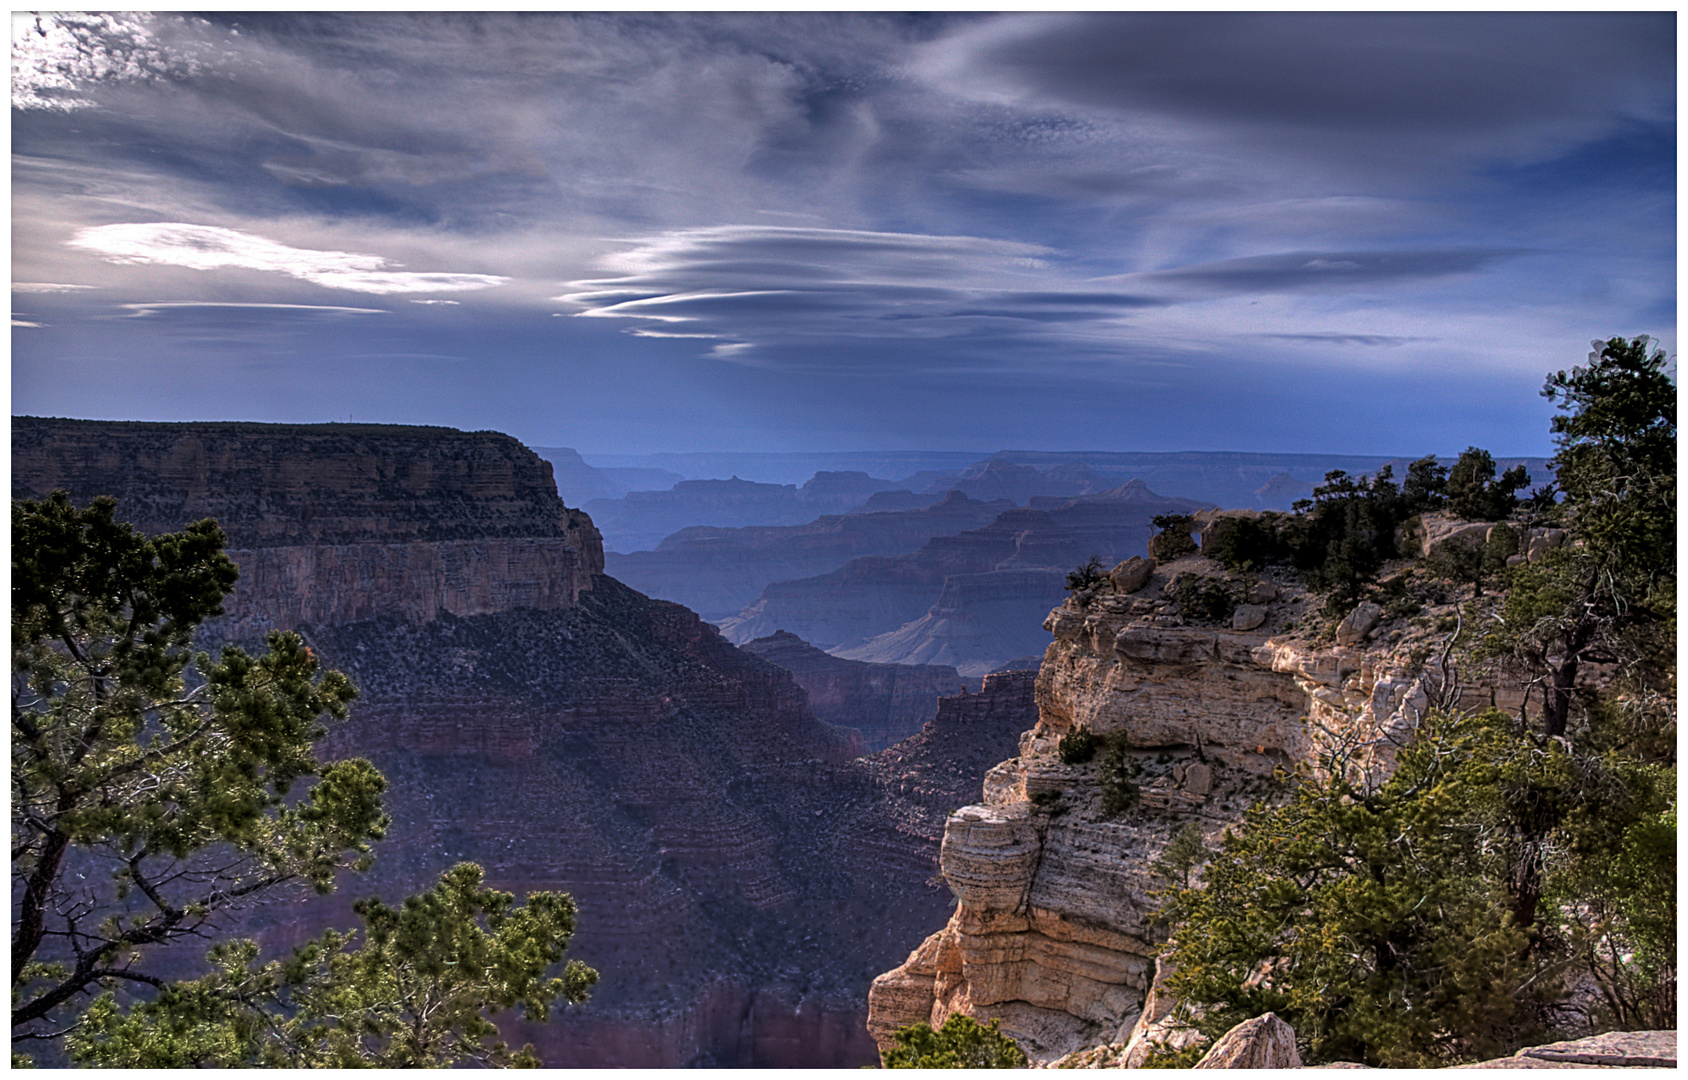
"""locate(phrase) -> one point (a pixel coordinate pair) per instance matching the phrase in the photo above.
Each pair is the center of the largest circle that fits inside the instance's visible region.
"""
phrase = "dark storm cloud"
(1353, 72)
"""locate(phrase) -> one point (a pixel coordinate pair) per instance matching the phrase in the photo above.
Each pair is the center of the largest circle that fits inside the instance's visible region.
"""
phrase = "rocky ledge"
(1053, 931)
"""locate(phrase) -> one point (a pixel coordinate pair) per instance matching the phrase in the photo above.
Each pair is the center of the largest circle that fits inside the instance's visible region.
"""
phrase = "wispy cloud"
(208, 247)
(766, 285)
(138, 311)
(1326, 271)
(47, 287)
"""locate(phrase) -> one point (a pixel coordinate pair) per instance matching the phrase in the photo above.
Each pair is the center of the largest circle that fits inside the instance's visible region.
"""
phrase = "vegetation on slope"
(1511, 864)
(153, 796)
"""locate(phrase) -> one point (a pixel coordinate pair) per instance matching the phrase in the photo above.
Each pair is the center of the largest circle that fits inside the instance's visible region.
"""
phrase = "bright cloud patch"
(207, 247)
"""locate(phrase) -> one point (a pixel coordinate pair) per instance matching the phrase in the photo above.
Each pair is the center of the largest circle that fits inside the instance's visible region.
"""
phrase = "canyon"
(641, 519)
(741, 876)
(718, 571)
(971, 600)
(881, 703)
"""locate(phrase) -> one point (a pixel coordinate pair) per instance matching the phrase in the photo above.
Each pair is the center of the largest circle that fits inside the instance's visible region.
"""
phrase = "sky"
(1324, 232)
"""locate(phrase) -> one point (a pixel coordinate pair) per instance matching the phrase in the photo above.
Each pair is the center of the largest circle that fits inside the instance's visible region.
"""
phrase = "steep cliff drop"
(740, 881)
(1053, 931)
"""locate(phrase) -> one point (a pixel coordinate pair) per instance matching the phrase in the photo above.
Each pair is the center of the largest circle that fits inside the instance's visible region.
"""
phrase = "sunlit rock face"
(1053, 931)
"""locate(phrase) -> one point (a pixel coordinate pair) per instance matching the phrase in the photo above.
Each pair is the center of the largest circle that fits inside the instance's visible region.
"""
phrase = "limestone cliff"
(333, 523)
(1053, 930)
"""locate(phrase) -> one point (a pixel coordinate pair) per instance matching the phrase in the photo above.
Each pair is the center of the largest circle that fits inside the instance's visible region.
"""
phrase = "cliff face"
(884, 703)
(332, 522)
(1052, 932)
(740, 879)
(929, 774)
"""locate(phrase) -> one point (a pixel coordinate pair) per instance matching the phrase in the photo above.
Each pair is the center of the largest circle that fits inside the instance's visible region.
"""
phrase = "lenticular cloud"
(207, 247)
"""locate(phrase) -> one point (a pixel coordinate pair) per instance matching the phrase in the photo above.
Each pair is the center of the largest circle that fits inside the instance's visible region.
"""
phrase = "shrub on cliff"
(1173, 538)
(1475, 494)
(1205, 599)
(1117, 776)
(1077, 746)
(1372, 919)
(961, 1043)
(1390, 923)
(153, 798)
(1092, 575)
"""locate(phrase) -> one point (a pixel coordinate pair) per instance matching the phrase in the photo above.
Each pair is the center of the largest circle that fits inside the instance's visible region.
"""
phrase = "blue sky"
(636, 233)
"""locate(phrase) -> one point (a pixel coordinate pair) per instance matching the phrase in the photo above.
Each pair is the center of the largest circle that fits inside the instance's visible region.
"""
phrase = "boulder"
(1538, 542)
(1248, 616)
(1613, 1050)
(1132, 574)
(1215, 525)
(1265, 1042)
(1436, 531)
(1198, 779)
(1360, 622)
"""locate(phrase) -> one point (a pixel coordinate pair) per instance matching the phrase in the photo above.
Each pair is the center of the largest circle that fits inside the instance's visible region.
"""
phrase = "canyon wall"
(741, 879)
(885, 703)
(717, 571)
(334, 522)
(1053, 932)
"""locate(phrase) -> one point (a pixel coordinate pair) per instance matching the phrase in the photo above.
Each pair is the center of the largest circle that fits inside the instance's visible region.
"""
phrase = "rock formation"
(994, 479)
(884, 703)
(335, 522)
(642, 518)
(579, 483)
(716, 571)
(1052, 933)
(740, 879)
(931, 773)
(976, 595)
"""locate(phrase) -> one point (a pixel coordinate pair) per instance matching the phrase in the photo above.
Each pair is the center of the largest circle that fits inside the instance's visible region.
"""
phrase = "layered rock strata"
(928, 775)
(1053, 931)
(334, 522)
(717, 571)
(1005, 575)
(884, 703)
(740, 879)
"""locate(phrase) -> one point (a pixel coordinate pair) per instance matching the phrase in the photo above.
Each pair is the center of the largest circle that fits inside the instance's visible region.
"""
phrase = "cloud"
(46, 287)
(1367, 75)
(58, 57)
(1367, 340)
(1303, 271)
(769, 286)
(138, 311)
(207, 247)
